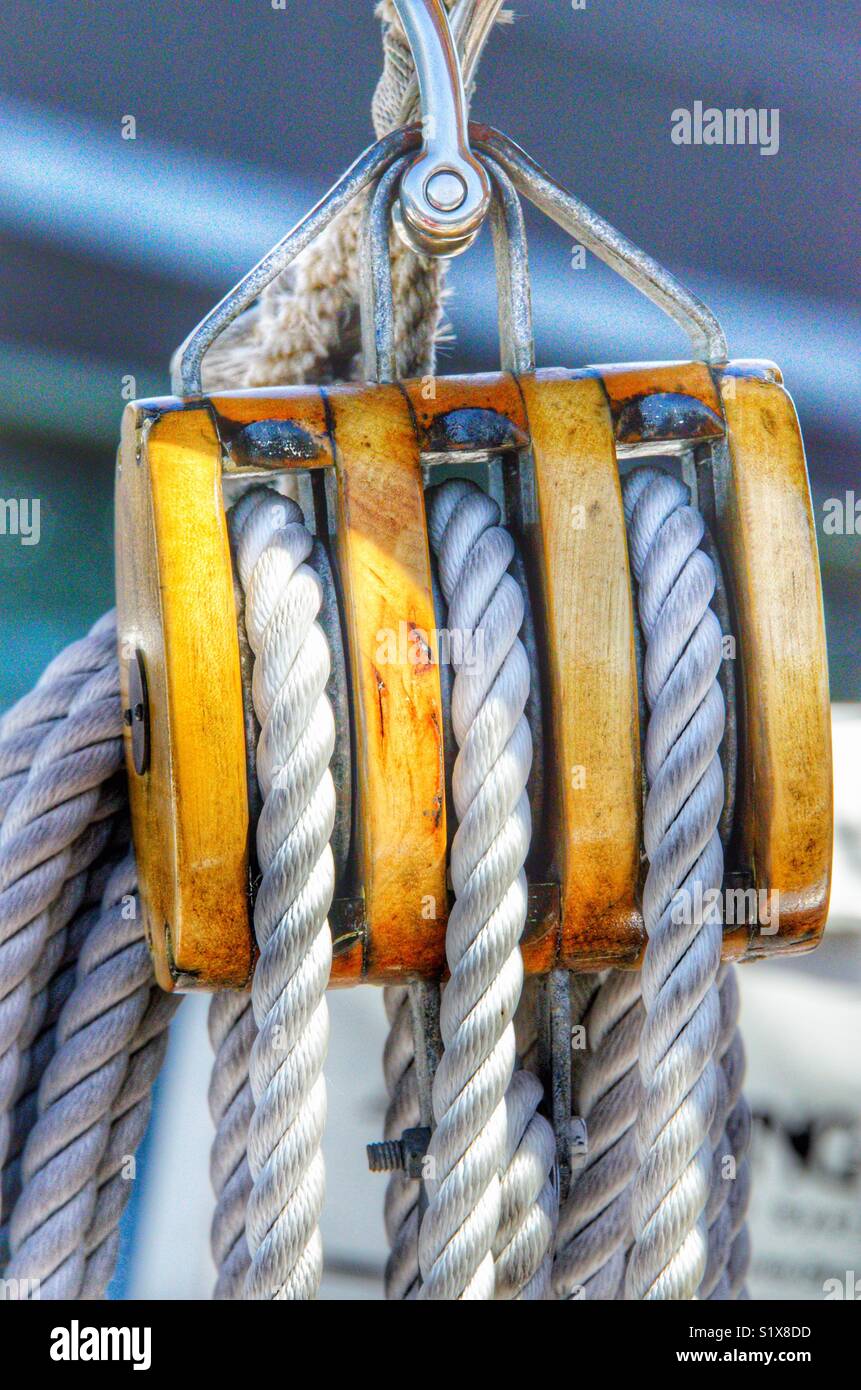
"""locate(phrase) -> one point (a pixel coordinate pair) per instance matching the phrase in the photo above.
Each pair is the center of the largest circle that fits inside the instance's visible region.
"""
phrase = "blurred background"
(244, 114)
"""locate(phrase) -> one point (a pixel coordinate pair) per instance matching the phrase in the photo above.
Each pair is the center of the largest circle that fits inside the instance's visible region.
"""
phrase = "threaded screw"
(387, 1156)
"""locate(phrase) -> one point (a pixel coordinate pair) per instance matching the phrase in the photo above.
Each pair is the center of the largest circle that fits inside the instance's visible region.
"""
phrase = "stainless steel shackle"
(444, 195)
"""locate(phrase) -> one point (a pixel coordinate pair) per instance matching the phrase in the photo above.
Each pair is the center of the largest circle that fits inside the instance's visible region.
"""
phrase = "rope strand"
(595, 1223)
(283, 597)
(472, 1143)
(402, 1112)
(232, 1031)
(670, 1193)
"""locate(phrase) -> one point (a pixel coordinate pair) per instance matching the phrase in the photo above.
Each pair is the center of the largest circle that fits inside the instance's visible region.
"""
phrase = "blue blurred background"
(244, 115)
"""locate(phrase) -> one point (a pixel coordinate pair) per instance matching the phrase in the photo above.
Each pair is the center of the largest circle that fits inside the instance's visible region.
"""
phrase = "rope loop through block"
(678, 1071)
(491, 1212)
(283, 597)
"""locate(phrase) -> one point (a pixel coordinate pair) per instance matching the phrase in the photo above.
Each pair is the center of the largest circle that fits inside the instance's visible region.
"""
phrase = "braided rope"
(283, 597)
(471, 1144)
(595, 1222)
(670, 1193)
(232, 1031)
(402, 1112)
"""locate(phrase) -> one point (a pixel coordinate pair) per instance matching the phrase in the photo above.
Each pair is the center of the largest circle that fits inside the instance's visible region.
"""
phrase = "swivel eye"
(445, 193)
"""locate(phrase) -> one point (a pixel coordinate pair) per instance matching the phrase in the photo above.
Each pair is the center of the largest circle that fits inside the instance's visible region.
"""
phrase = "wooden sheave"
(366, 449)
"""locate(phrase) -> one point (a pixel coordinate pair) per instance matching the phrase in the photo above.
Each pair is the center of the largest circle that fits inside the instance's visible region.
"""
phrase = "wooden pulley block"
(551, 444)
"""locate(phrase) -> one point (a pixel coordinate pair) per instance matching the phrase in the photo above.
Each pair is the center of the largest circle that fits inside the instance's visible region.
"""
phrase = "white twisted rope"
(232, 1031)
(471, 1143)
(402, 1112)
(529, 1205)
(670, 1193)
(595, 1222)
(528, 1201)
(282, 599)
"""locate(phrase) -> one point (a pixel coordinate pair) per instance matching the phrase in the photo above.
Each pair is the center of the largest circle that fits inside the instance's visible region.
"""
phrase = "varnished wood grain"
(768, 539)
(594, 767)
(175, 603)
(384, 565)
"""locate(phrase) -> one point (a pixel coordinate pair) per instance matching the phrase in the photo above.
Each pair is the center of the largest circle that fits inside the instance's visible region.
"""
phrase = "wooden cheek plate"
(767, 535)
(190, 809)
(175, 607)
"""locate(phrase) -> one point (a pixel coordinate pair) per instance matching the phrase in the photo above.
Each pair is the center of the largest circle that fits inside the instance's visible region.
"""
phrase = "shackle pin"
(445, 192)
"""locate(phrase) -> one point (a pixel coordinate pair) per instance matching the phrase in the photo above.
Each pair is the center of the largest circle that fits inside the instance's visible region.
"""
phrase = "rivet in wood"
(136, 715)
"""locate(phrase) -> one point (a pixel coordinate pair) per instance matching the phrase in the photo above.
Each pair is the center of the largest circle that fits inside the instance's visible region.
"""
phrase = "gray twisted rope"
(718, 1212)
(595, 1222)
(22, 730)
(45, 840)
(729, 1248)
(283, 597)
(739, 1255)
(130, 1114)
(64, 1216)
(402, 1112)
(670, 1193)
(470, 1146)
(232, 1031)
(24, 726)
(51, 988)
(65, 1148)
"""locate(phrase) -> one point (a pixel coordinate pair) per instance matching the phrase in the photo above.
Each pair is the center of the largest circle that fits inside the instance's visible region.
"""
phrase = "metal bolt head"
(404, 1155)
(578, 1142)
(414, 1143)
(136, 716)
(445, 190)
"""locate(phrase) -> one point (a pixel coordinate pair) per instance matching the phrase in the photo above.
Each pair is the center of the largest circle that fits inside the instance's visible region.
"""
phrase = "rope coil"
(88, 1025)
